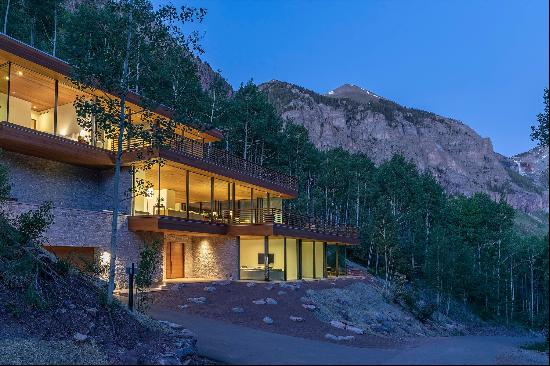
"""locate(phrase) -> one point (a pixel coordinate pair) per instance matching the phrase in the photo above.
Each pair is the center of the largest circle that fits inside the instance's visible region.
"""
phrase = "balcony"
(207, 157)
(250, 222)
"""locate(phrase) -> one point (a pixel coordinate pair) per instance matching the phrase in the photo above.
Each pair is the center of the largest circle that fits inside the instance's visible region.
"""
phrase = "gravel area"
(284, 308)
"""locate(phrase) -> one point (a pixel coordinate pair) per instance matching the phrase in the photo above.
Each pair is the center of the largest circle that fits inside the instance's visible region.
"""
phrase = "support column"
(252, 212)
(56, 98)
(233, 201)
(314, 269)
(212, 199)
(238, 240)
(299, 256)
(158, 200)
(337, 262)
(266, 257)
(284, 257)
(325, 260)
(187, 194)
(9, 92)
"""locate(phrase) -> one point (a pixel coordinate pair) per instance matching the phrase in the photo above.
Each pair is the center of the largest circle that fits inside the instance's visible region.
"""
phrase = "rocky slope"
(361, 121)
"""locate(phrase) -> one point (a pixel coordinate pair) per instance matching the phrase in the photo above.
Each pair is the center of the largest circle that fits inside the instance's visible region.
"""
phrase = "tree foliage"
(539, 132)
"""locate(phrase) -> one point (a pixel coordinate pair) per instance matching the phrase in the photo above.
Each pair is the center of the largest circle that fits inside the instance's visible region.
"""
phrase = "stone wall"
(85, 228)
(35, 180)
(215, 257)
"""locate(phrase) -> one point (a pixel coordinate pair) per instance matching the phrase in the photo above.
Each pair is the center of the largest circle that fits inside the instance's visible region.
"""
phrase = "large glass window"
(67, 125)
(252, 258)
(291, 259)
(32, 99)
(4, 91)
(307, 259)
(276, 259)
(319, 259)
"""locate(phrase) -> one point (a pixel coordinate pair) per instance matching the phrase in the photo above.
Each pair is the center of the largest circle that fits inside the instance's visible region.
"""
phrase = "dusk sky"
(482, 62)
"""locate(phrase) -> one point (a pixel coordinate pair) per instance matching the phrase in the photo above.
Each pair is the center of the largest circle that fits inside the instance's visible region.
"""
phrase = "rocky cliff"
(361, 121)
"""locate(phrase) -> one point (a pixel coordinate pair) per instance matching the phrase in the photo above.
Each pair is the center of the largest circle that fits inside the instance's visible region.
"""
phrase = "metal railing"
(287, 218)
(207, 152)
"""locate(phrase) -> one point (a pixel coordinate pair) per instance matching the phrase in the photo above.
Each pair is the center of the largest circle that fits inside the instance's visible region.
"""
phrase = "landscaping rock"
(184, 306)
(79, 337)
(281, 293)
(310, 292)
(338, 338)
(337, 324)
(197, 300)
(298, 319)
(171, 325)
(269, 287)
(259, 302)
(250, 284)
(209, 289)
(309, 306)
(237, 309)
(267, 320)
(271, 301)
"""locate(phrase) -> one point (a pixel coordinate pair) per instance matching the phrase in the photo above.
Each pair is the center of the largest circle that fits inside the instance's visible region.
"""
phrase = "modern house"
(215, 215)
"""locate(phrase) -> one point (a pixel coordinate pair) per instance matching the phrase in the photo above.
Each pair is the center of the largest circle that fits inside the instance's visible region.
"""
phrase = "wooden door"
(175, 260)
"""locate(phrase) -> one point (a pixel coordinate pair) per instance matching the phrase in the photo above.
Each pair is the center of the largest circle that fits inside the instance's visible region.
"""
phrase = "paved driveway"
(234, 344)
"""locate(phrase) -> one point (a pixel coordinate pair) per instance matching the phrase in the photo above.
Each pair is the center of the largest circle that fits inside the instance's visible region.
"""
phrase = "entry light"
(6, 77)
(20, 73)
(105, 258)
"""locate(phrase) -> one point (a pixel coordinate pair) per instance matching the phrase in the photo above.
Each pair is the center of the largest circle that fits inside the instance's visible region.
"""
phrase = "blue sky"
(482, 62)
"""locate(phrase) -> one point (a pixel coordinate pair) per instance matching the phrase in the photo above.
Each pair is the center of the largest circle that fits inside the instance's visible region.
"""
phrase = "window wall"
(336, 259)
(40, 103)
(319, 259)
(291, 259)
(307, 259)
(252, 258)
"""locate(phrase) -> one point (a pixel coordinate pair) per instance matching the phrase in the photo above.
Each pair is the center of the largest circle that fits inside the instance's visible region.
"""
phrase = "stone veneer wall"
(208, 257)
(35, 180)
(84, 228)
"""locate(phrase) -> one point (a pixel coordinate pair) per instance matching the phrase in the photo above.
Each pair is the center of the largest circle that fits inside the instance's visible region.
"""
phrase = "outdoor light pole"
(131, 272)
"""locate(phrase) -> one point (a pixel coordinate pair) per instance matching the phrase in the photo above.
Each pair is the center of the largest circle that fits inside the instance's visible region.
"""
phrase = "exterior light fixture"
(20, 73)
(105, 258)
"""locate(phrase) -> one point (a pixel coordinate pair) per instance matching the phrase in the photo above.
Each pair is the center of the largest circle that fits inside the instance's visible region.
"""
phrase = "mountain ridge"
(359, 120)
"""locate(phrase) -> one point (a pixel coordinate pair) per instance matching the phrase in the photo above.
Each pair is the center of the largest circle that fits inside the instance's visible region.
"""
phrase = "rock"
(337, 324)
(170, 324)
(355, 330)
(92, 311)
(169, 359)
(298, 319)
(310, 292)
(184, 306)
(271, 301)
(269, 287)
(309, 306)
(250, 284)
(237, 309)
(197, 300)
(267, 320)
(339, 338)
(281, 293)
(79, 337)
(209, 289)
(186, 352)
(259, 302)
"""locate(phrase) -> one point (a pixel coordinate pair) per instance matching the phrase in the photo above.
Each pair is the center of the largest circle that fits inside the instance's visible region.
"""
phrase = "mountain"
(360, 121)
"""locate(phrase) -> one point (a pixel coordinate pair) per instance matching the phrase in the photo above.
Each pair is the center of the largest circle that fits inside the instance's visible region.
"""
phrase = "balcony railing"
(207, 152)
(287, 218)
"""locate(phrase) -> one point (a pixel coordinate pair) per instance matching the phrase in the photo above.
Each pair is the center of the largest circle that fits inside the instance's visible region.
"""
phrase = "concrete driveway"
(234, 344)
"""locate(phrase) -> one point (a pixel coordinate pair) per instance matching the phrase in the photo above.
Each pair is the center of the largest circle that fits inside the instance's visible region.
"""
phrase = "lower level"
(83, 237)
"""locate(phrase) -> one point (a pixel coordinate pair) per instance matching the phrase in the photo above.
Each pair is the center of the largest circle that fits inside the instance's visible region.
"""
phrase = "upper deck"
(37, 117)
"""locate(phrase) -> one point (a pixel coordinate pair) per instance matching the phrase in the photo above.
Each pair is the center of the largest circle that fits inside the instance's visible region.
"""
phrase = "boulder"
(281, 292)
(79, 337)
(338, 338)
(259, 302)
(298, 319)
(237, 309)
(197, 300)
(267, 320)
(250, 284)
(271, 301)
(209, 289)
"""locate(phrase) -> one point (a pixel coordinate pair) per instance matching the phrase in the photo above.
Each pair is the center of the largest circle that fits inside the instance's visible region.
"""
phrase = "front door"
(175, 260)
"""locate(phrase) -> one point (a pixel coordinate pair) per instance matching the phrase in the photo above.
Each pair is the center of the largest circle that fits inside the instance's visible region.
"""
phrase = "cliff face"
(360, 121)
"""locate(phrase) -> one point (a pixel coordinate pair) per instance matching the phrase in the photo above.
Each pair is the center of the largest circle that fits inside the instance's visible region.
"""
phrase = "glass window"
(277, 259)
(32, 99)
(291, 259)
(4, 91)
(319, 259)
(307, 259)
(252, 258)
(67, 124)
